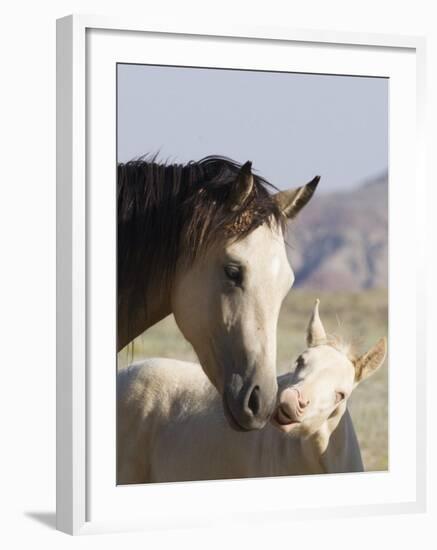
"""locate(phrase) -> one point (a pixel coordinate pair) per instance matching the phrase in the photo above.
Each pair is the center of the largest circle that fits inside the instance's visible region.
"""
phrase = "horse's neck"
(134, 319)
(334, 447)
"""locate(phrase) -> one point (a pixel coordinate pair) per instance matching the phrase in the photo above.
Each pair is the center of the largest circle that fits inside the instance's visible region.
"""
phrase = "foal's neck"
(333, 447)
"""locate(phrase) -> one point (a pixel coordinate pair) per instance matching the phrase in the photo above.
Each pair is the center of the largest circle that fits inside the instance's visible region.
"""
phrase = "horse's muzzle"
(249, 409)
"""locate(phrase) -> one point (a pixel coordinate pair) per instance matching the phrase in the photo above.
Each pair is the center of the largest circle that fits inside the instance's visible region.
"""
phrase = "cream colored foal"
(171, 425)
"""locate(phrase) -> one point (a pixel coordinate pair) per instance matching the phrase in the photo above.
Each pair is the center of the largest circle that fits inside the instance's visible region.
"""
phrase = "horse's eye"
(234, 273)
(339, 396)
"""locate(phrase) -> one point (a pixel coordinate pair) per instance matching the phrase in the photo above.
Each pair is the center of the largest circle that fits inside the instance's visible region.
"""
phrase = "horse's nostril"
(254, 402)
(301, 400)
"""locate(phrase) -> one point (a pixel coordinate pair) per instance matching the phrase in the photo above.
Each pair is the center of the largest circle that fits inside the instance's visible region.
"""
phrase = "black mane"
(165, 209)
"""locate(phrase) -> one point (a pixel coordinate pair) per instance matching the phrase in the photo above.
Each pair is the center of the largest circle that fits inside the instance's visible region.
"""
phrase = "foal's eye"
(234, 273)
(339, 396)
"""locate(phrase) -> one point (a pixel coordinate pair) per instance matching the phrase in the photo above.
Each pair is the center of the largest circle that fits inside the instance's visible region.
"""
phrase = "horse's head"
(324, 378)
(226, 301)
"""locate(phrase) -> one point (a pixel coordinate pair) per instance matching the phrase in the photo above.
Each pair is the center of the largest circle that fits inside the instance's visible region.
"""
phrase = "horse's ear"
(242, 187)
(292, 201)
(370, 362)
(316, 334)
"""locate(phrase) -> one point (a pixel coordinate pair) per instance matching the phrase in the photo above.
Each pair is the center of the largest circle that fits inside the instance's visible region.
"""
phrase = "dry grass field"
(360, 318)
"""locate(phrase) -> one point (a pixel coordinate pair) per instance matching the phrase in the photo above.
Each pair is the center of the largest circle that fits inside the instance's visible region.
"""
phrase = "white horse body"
(171, 427)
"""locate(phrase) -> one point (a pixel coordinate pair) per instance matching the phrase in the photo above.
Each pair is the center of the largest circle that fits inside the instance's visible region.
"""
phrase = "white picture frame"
(78, 428)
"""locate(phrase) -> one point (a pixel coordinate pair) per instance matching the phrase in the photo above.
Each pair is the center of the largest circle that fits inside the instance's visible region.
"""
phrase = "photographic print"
(252, 274)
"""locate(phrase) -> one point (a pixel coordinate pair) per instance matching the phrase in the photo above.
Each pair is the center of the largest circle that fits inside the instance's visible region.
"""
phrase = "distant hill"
(340, 240)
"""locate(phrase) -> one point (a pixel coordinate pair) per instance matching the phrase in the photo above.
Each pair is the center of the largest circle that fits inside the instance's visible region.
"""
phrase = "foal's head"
(323, 380)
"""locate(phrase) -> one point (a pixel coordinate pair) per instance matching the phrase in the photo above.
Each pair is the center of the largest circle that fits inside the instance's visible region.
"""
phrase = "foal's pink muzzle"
(290, 409)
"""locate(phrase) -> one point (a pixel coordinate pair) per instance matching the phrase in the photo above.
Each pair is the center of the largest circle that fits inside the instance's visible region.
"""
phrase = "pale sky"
(291, 126)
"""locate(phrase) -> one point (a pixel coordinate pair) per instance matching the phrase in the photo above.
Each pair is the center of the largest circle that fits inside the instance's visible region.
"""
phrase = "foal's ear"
(316, 334)
(292, 201)
(368, 363)
(242, 187)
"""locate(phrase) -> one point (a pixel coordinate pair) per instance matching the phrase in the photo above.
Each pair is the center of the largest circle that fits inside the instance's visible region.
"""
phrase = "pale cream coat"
(171, 425)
